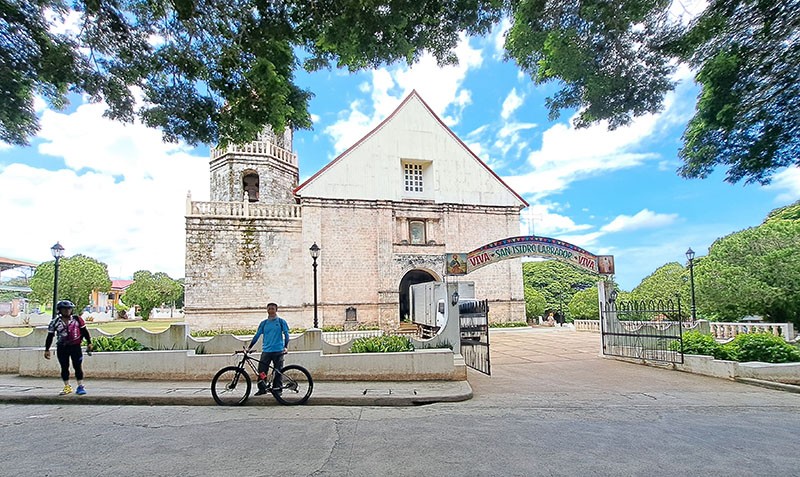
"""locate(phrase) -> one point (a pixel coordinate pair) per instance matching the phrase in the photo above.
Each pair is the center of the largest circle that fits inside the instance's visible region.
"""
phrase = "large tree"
(78, 276)
(754, 272)
(556, 281)
(585, 305)
(665, 285)
(150, 290)
(214, 72)
(614, 60)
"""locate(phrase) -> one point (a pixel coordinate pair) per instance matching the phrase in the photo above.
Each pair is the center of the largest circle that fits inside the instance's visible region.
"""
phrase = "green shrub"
(331, 328)
(116, 343)
(440, 345)
(695, 342)
(509, 324)
(762, 347)
(382, 344)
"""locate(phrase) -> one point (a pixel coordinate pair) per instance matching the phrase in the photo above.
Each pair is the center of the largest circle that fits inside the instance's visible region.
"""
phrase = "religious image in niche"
(605, 264)
(456, 264)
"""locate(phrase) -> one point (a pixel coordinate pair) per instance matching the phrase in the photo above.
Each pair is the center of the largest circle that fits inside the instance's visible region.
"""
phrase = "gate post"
(452, 328)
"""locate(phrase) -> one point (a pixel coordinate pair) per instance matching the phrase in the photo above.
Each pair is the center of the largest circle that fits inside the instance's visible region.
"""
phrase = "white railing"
(258, 148)
(587, 325)
(244, 209)
(719, 330)
(725, 331)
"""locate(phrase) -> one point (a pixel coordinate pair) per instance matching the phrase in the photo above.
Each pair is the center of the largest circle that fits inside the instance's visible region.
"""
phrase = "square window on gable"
(413, 177)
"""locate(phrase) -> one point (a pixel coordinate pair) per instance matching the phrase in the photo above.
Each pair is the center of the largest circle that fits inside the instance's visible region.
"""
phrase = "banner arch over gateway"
(535, 246)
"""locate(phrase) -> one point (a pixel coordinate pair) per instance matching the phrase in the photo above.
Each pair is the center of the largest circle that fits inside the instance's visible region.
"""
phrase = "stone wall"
(235, 266)
(366, 253)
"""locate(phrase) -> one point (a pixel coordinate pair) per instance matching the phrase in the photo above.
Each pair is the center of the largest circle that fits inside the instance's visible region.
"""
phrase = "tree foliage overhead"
(78, 276)
(150, 290)
(218, 72)
(210, 71)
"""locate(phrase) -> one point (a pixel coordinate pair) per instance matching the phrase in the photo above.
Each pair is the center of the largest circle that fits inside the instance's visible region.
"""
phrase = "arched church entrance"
(412, 277)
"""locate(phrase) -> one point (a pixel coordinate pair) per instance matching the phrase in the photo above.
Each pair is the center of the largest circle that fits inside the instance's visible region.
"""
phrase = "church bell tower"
(264, 171)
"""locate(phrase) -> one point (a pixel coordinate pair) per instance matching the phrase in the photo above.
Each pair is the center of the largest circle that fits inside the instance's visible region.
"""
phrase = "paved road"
(552, 407)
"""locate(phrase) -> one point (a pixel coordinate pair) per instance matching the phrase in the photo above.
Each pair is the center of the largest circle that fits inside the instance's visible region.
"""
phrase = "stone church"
(384, 214)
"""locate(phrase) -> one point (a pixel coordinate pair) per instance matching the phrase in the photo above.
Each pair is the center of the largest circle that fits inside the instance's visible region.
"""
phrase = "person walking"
(70, 330)
(275, 333)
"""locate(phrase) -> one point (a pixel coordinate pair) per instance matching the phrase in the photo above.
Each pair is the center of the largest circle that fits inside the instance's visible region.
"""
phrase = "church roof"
(404, 104)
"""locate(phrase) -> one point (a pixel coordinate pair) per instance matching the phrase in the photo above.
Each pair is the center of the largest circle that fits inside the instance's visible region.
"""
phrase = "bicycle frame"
(249, 359)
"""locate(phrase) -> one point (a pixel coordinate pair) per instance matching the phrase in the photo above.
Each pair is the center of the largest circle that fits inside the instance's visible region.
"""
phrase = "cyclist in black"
(70, 330)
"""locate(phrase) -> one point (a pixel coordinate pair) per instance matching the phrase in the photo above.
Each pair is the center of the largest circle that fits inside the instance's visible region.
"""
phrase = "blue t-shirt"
(275, 333)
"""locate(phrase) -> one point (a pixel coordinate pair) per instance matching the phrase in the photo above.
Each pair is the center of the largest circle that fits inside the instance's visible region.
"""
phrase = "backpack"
(74, 330)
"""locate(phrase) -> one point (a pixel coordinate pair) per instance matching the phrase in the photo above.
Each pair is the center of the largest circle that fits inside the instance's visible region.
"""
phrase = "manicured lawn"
(114, 327)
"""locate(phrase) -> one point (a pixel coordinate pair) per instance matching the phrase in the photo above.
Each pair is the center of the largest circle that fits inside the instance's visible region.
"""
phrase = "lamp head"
(57, 250)
(613, 297)
(690, 254)
(314, 251)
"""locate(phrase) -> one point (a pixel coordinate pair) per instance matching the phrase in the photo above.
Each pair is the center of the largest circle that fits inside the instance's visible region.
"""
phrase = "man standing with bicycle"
(275, 333)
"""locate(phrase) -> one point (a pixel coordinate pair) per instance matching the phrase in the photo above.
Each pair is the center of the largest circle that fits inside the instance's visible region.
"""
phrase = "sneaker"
(67, 390)
(261, 392)
(81, 390)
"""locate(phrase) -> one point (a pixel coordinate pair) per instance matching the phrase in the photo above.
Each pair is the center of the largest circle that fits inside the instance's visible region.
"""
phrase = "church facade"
(384, 214)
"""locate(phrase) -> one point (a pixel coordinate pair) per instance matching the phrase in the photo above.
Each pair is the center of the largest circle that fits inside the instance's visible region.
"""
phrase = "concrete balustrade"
(726, 331)
(178, 356)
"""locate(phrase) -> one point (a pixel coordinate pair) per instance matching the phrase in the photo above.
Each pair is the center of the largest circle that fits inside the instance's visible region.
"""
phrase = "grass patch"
(510, 324)
(19, 330)
(114, 327)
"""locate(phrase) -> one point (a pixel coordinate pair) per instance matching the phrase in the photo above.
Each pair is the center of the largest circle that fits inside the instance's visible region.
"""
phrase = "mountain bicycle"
(231, 385)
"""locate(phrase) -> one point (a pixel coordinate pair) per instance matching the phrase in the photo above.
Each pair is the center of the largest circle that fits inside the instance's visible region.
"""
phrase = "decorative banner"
(532, 246)
(455, 263)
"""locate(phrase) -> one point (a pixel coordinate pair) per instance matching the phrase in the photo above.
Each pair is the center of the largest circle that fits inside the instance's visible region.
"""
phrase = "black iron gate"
(473, 317)
(651, 329)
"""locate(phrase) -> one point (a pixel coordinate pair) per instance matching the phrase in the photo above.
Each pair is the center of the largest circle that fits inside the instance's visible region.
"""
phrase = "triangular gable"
(372, 168)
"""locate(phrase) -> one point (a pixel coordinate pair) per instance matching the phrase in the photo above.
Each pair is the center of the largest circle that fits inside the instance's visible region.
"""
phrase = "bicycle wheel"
(231, 386)
(296, 385)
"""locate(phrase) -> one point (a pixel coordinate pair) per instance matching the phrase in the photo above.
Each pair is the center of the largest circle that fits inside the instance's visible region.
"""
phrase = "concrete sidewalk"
(27, 390)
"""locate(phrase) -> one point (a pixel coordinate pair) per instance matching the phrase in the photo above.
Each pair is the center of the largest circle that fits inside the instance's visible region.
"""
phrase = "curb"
(370, 397)
(770, 384)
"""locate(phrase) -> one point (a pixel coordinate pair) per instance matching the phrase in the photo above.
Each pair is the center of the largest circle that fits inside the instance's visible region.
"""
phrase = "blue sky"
(117, 193)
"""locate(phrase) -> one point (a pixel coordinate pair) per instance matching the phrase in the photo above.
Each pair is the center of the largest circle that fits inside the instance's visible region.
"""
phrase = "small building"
(102, 301)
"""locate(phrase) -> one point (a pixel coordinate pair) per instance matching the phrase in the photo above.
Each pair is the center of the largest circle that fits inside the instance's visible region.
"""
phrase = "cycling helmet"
(65, 304)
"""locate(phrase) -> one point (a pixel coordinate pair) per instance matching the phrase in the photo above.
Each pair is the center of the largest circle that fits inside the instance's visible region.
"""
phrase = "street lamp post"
(690, 257)
(315, 255)
(58, 251)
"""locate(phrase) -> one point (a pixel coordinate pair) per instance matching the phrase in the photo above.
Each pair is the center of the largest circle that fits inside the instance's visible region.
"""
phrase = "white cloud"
(644, 219)
(120, 199)
(440, 87)
(542, 219)
(498, 38)
(787, 181)
(512, 102)
(568, 154)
